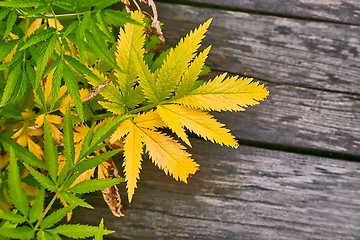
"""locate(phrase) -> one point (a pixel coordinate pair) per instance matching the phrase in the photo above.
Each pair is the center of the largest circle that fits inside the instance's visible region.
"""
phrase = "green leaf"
(89, 163)
(10, 22)
(6, 48)
(73, 89)
(118, 18)
(22, 153)
(12, 217)
(77, 231)
(176, 62)
(56, 216)
(24, 232)
(42, 179)
(11, 86)
(80, 35)
(69, 146)
(46, 50)
(93, 185)
(102, 132)
(51, 153)
(19, 3)
(3, 13)
(128, 52)
(39, 36)
(98, 47)
(56, 81)
(104, 27)
(42, 235)
(16, 191)
(81, 68)
(101, 231)
(72, 199)
(65, 4)
(105, 3)
(37, 207)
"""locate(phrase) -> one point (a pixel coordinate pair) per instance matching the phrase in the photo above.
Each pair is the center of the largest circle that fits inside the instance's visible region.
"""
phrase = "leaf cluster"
(80, 82)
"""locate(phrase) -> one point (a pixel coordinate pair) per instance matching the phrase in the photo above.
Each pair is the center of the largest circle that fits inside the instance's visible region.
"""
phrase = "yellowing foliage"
(94, 96)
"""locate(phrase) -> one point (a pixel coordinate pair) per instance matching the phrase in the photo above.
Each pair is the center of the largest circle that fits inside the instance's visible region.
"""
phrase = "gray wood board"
(277, 49)
(248, 193)
(301, 117)
(344, 11)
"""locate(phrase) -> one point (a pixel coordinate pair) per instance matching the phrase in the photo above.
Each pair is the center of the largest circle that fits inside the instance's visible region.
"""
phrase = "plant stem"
(45, 211)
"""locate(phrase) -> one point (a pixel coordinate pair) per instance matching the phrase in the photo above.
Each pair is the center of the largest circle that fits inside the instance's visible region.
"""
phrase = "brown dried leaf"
(111, 195)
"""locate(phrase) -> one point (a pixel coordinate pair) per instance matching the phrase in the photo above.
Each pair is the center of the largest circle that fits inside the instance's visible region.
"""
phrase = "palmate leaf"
(164, 151)
(230, 94)
(201, 123)
(16, 191)
(77, 231)
(176, 62)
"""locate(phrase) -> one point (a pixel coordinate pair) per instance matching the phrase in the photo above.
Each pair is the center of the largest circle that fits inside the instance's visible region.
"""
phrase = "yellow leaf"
(34, 26)
(35, 148)
(173, 122)
(133, 149)
(149, 120)
(230, 94)
(201, 123)
(169, 155)
(80, 132)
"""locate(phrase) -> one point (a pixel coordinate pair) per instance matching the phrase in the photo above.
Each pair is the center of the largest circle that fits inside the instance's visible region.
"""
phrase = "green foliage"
(81, 84)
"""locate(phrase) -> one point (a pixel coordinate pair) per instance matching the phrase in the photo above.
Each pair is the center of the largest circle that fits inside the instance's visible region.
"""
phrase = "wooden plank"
(248, 193)
(344, 11)
(303, 118)
(281, 50)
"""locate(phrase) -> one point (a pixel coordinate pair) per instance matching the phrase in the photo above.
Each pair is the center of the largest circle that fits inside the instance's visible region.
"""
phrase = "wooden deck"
(296, 174)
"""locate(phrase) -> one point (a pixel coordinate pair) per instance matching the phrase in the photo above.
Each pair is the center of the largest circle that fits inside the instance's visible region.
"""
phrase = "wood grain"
(248, 193)
(276, 49)
(343, 11)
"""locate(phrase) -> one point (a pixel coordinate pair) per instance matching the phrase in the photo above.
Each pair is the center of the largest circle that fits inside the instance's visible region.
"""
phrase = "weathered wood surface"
(248, 193)
(280, 50)
(314, 98)
(342, 11)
